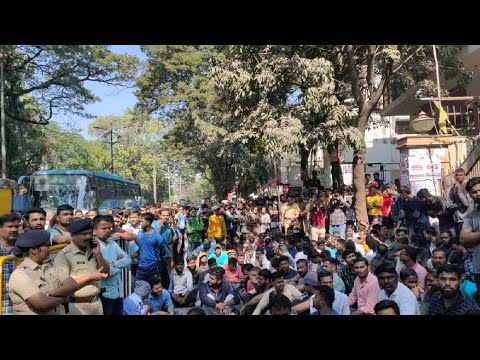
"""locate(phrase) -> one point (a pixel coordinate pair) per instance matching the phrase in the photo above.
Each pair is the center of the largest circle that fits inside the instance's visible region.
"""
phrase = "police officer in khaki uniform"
(34, 286)
(82, 257)
(290, 213)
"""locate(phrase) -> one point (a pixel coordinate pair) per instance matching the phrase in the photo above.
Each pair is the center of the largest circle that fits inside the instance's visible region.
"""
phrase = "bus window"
(51, 191)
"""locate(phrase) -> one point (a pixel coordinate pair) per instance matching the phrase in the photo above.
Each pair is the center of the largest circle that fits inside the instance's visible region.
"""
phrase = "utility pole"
(2, 122)
(155, 184)
(180, 176)
(169, 187)
(111, 149)
(111, 132)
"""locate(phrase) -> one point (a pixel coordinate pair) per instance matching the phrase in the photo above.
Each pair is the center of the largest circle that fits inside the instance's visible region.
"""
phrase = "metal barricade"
(53, 250)
(126, 274)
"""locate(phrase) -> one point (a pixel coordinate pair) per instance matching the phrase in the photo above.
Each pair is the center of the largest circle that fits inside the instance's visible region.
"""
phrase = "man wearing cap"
(81, 257)
(135, 303)
(35, 287)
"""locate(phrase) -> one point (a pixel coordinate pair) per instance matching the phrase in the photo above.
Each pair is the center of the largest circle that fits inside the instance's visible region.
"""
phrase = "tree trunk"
(359, 194)
(360, 197)
(326, 169)
(304, 155)
(243, 187)
(337, 176)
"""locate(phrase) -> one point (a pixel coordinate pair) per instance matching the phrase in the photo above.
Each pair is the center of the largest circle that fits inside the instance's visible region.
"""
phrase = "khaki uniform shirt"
(30, 278)
(72, 262)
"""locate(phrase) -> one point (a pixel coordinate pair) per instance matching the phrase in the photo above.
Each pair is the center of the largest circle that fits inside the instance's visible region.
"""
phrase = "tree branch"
(28, 60)
(26, 120)
(46, 84)
(370, 67)
(406, 59)
(354, 75)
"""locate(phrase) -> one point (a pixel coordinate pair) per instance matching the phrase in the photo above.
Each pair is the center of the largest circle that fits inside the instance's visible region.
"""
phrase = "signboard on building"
(423, 168)
(347, 172)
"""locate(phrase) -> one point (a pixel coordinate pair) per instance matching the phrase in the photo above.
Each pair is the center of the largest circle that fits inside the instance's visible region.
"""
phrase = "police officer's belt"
(88, 299)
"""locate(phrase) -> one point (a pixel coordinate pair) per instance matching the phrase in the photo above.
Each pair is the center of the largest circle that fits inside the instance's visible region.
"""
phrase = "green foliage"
(43, 81)
(68, 150)
(175, 87)
(46, 80)
(281, 96)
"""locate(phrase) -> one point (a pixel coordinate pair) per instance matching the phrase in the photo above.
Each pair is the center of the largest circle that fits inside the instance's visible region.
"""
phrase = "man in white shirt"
(181, 284)
(279, 287)
(391, 289)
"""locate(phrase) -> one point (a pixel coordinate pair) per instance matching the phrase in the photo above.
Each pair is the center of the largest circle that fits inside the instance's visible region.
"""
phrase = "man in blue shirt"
(159, 301)
(135, 303)
(152, 246)
(285, 269)
(208, 247)
(323, 300)
(112, 287)
(166, 232)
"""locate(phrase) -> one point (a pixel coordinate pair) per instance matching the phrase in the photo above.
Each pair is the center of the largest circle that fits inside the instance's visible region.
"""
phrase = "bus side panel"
(94, 192)
(6, 198)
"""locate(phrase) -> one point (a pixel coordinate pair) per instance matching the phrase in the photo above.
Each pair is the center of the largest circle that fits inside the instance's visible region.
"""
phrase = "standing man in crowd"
(60, 232)
(112, 297)
(81, 257)
(9, 225)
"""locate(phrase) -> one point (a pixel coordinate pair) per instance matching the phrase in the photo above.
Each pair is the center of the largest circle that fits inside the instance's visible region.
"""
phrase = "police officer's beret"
(33, 238)
(80, 225)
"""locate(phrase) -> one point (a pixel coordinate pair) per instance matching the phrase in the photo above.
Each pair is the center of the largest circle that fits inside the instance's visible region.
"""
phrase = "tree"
(282, 99)
(43, 81)
(47, 80)
(68, 150)
(372, 68)
(294, 97)
(175, 87)
(137, 150)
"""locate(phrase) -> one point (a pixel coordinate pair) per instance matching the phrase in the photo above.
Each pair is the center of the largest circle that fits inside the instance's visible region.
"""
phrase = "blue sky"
(114, 101)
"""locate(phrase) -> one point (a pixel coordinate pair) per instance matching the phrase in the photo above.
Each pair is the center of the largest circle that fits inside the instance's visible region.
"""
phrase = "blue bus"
(80, 189)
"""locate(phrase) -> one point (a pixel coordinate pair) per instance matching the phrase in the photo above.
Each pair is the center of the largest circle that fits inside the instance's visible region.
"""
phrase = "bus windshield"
(51, 191)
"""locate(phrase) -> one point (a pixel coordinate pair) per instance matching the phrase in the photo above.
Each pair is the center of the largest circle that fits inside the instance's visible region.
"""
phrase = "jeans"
(112, 306)
(146, 273)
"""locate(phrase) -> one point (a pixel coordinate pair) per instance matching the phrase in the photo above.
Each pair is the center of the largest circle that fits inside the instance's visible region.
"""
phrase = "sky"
(114, 101)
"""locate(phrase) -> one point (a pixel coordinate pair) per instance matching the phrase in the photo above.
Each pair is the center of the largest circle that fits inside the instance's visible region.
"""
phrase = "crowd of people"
(304, 255)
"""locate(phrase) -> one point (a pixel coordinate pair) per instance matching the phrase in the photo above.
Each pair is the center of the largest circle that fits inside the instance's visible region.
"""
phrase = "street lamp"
(422, 123)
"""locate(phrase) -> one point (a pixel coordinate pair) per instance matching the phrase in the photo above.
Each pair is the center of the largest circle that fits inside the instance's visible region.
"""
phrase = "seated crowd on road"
(418, 254)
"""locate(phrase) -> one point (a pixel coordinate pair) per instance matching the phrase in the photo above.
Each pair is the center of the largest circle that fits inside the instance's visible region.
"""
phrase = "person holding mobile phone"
(82, 257)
